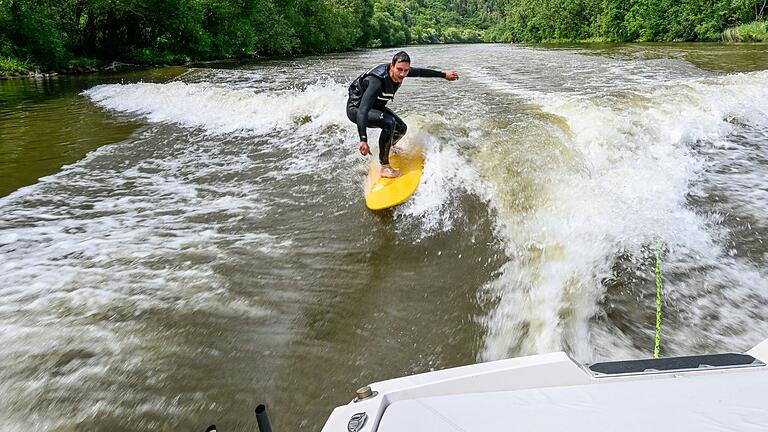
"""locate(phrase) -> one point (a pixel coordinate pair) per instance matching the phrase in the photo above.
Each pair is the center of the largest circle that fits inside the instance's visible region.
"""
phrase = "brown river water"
(178, 245)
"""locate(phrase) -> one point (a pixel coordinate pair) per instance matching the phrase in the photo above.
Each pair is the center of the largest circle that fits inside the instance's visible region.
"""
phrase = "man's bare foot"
(388, 172)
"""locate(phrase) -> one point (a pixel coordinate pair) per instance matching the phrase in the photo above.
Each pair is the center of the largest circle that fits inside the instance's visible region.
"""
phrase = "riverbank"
(10, 67)
(752, 32)
(15, 68)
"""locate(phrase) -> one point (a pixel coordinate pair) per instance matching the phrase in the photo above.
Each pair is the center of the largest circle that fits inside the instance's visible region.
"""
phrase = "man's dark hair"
(402, 56)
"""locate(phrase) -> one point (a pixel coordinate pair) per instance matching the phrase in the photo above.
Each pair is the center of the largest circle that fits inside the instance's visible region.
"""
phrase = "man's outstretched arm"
(431, 73)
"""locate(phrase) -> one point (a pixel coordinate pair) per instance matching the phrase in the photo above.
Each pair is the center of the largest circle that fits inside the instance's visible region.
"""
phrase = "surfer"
(368, 97)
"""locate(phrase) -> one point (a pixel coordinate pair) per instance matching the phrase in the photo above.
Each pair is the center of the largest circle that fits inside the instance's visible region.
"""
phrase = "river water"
(197, 242)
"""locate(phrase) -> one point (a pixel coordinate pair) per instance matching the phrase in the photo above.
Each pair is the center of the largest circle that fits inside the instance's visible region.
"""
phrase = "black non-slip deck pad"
(674, 363)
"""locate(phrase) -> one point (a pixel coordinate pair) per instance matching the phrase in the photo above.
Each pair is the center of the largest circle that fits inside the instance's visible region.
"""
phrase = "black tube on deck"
(262, 419)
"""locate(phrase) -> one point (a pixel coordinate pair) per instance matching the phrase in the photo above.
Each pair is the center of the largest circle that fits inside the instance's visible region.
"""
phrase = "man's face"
(398, 71)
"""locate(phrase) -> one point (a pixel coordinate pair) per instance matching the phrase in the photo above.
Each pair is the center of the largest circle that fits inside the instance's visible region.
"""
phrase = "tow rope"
(657, 345)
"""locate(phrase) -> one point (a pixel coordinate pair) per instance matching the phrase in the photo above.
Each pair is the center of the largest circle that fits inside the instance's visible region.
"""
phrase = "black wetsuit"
(366, 106)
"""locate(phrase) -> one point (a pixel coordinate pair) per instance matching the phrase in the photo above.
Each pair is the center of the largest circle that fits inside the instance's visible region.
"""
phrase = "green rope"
(657, 345)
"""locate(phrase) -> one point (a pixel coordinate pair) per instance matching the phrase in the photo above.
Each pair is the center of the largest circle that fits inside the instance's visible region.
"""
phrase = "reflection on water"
(45, 124)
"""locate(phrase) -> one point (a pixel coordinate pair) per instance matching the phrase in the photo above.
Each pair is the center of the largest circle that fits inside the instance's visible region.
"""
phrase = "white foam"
(635, 170)
(446, 174)
(219, 109)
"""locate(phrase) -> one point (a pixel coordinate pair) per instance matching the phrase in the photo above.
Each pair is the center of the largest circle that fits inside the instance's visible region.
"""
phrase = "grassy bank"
(14, 67)
(754, 32)
(10, 66)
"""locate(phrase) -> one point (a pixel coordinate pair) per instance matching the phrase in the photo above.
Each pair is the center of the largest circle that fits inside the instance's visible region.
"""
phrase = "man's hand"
(451, 76)
(364, 149)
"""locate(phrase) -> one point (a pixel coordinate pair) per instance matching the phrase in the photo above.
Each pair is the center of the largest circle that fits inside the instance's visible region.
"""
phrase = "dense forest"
(626, 20)
(66, 33)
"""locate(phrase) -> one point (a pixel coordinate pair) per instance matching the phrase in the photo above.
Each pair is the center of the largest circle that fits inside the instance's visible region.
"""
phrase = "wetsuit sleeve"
(366, 102)
(425, 73)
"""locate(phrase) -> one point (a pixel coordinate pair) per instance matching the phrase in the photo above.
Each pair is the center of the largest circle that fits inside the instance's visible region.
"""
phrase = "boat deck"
(733, 401)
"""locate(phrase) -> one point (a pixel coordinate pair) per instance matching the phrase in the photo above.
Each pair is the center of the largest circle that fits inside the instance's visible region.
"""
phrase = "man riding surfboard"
(368, 97)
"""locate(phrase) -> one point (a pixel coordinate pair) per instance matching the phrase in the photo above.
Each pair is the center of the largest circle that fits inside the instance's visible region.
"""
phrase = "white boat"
(552, 392)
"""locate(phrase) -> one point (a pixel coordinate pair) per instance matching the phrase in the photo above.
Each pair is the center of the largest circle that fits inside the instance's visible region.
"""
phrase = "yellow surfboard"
(382, 193)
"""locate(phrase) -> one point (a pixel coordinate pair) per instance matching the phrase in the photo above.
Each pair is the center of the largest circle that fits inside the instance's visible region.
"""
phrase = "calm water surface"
(179, 245)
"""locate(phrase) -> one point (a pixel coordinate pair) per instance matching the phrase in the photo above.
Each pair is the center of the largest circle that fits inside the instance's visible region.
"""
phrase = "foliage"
(754, 32)
(11, 66)
(29, 30)
(397, 22)
(622, 20)
(52, 34)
